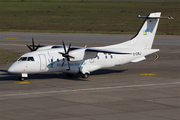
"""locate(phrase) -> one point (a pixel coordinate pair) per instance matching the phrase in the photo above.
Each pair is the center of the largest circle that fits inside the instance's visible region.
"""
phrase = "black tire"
(85, 75)
(21, 79)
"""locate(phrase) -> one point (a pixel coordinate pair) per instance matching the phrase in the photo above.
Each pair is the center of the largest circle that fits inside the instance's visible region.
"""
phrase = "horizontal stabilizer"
(139, 59)
(148, 17)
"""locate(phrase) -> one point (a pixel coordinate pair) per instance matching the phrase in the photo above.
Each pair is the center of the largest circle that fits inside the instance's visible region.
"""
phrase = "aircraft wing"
(104, 51)
(93, 50)
(83, 53)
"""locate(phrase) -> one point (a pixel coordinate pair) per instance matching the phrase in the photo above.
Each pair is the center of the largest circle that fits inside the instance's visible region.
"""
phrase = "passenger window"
(30, 59)
(22, 59)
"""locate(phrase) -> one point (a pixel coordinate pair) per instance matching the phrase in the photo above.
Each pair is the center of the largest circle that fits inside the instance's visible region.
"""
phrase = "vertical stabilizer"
(145, 36)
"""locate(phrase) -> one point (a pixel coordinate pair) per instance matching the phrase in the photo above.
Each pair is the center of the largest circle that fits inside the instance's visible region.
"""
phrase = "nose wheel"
(21, 79)
(22, 76)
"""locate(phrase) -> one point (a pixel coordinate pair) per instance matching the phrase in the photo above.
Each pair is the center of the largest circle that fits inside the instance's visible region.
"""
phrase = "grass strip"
(86, 17)
(8, 56)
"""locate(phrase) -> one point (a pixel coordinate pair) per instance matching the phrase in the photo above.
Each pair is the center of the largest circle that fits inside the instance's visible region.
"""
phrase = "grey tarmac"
(148, 90)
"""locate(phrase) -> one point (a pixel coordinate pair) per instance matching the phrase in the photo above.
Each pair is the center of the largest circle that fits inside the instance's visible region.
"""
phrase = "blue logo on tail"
(145, 32)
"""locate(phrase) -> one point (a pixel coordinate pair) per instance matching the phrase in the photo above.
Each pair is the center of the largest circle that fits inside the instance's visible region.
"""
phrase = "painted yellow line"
(157, 56)
(12, 38)
(147, 74)
(21, 82)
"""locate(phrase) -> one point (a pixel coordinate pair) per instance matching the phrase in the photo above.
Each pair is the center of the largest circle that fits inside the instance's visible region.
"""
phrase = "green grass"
(86, 17)
(8, 56)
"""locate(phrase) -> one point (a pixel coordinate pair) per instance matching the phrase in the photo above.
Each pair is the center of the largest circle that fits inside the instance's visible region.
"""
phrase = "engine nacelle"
(82, 54)
(77, 54)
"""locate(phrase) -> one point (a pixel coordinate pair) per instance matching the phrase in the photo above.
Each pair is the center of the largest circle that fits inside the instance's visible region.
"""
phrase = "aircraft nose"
(11, 69)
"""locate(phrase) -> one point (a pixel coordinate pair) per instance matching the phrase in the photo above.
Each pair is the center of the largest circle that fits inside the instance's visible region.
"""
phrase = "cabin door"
(42, 62)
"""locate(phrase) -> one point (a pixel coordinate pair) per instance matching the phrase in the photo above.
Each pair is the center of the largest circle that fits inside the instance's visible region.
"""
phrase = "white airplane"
(73, 60)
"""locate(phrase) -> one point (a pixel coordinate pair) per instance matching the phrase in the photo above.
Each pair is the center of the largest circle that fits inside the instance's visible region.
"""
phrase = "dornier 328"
(73, 60)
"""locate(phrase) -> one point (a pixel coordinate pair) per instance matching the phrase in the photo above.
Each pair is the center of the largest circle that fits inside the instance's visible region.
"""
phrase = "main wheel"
(85, 75)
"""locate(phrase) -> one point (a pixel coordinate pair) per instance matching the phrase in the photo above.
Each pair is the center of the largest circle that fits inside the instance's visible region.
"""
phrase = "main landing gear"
(85, 75)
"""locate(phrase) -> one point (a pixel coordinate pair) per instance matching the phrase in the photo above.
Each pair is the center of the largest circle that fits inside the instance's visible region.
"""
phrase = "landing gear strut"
(85, 75)
(22, 76)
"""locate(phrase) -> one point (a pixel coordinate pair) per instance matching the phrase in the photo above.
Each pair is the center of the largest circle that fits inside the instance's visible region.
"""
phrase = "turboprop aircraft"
(73, 60)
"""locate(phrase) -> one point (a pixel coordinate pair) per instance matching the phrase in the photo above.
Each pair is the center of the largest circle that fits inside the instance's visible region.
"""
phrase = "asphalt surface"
(148, 90)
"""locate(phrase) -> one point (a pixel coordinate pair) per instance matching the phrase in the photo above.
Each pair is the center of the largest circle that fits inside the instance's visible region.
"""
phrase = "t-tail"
(145, 36)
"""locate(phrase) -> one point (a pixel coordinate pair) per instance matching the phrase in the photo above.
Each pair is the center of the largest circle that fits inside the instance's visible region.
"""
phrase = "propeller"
(33, 48)
(66, 54)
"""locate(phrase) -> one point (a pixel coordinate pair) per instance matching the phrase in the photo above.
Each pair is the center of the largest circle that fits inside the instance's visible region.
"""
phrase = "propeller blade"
(69, 48)
(64, 46)
(71, 57)
(37, 47)
(33, 47)
(63, 62)
(68, 66)
(68, 59)
(29, 47)
(66, 55)
(33, 43)
(61, 53)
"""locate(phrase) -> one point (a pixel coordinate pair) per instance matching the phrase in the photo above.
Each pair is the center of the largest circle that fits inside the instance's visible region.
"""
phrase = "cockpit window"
(26, 59)
(30, 59)
(22, 59)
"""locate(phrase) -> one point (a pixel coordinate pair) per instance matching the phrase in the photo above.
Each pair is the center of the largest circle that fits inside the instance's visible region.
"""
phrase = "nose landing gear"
(21, 79)
(22, 76)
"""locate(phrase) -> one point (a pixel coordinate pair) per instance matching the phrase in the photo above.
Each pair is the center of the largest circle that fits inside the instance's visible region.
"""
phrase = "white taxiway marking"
(91, 89)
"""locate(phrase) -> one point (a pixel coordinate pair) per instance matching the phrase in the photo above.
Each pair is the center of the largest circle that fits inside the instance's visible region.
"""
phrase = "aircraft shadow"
(77, 77)
(56, 76)
(5, 76)
(106, 71)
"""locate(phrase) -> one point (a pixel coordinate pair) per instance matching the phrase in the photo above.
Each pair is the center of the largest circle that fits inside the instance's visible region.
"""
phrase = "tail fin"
(145, 36)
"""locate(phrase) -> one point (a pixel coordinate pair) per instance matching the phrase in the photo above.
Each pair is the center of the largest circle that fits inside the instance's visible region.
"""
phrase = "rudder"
(145, 36)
